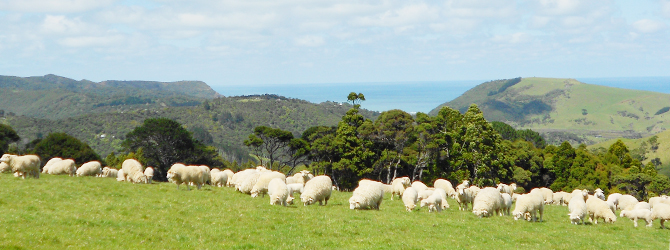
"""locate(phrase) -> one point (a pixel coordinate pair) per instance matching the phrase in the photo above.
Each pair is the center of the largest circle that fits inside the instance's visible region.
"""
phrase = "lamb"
(278, 192)
(45, 169)
(419, 186)
(507, 203)
(443, 195)
(317, 190)
(399, 185)
(513, 187)
(67, 167)
(434, 202)
(642, 205)
(661, 211)
(597, 208)
(487, 203)
(292, 188)
(446, 186)
(179, 174)
(91, 168)
(110, 172)
(218, 178)
(368, 195)
(130, 167)
(639, 213)
(409, 198)
(626, 202)
(149, 173)
(578, 210)
(27, 165)
(614, 198)
(504, 188)
(120, 176)
(261, 185)
(5, 168)
(230, 176)
(464, 197)
(528, 205)
(599, 194)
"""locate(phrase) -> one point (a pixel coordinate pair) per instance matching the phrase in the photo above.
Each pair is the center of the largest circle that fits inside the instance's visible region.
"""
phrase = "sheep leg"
(635, 222)
(662, 226)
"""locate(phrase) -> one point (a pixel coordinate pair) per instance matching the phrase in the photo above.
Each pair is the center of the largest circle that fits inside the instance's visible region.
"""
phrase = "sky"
(274, 42)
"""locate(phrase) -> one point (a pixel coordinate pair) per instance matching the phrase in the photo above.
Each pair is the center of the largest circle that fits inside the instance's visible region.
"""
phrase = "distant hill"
(56, 97)
(566, 109)
(663, 140)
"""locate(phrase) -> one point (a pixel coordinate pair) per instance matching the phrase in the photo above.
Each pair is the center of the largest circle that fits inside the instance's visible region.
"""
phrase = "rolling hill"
(566, 109)
(663, 140)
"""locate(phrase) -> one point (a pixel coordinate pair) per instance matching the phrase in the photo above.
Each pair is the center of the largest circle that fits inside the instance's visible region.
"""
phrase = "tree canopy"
(7, 136)
(64, 146)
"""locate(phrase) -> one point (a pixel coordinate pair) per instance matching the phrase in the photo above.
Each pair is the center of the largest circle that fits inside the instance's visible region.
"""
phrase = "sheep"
(514, 197)
(419, 186)
(137, 177)
(261, 185)
(578, 210)
(434, 202)
(446, 186)
(91, 168)
(218, 178)
(661, 199)
(548, 195)
(45, 169)
(247, 180)
(528, 205)
(507, 203)
(558, 198)
(5, 168)
(626, 202)
(130, 167)
(638, 213)
(504, 188)
(230, 174)
(179, 174)
(278, 192)
(110, 172)
(368, 195)
(661, 211)
(597, 208)
(475, 190)
(301, 177)
(290, 180)
(399, 185)
(513, 187)
(149, 173)
(120, 176)
(487, 203)
(614, 198)
(443, 195)
(409, 198)
(426, 193)
(27, 165)
(642, 205)
(464, 197)
(611, 205)
(292, 188)
(566, 199)
(599, 194)
(66, 166)
(206, 176)
(317, 190)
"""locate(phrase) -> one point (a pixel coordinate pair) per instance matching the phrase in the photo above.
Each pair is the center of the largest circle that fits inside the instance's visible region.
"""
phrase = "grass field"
(57, 212)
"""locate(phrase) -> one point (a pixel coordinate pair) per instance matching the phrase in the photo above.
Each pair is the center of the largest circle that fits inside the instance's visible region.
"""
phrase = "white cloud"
(665, 8)
(310, 41)
(648, 26)
(403, 16)
(518, 37)
(54, 6)
(91, 41)
(63, 25)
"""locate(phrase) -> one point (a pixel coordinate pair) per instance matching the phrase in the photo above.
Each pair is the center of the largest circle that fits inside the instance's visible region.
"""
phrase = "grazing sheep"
(278, 192)
(317, 190)
(5, 168)
(419, 186)
(230, 174)
(426, 193)
(639, 213)
(506, 189)
(91, 168)
(566, 199)
(120, 176)
(130, 167)
(63, 167)
(218, 178)
(599, 194)
(434, 202)
(399, 185)
(247, 180)
(464, 197)
(409, 198)
(627, 202)
(507, 203)
(290, 180)
(110, 172)
(642, 205)
(368, 195)
(442, 194)
(292, 188)
(614, 198)
(206, 176)
(45, 169)
(137, 177)
(474, 190)
(612, 206)
(514, 197)
(548, 195)
(513, 187)
(261, 185)
(597, 208)
(528, 205)
(661, 211)
(149, 173)
(446, 186)
(558, 198)
(302, 177)
(179, 174)
(27, 165)
(660, 199)
(487, 203)
(578, 210)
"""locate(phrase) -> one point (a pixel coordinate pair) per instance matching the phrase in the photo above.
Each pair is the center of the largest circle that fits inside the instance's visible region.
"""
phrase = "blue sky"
(259, 42)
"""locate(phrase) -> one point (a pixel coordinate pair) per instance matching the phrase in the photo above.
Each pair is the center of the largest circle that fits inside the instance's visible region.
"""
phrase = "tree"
(271, 140)
(64, 146)
(7, 136)
(353, 98)
(394, 130)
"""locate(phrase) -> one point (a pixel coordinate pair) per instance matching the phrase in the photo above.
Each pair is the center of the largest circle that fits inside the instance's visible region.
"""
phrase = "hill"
(566, 109)
(645, 150)
(56, 97)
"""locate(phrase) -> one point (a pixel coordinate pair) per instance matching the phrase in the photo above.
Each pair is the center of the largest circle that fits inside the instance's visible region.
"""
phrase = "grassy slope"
(661, 152)
(93, 213)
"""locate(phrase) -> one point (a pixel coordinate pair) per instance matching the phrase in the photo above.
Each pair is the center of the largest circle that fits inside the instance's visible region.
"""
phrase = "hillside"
(566, 109)
(663, 140)
(56, 97)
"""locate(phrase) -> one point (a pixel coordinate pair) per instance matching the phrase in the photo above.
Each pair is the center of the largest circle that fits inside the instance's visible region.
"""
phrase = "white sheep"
(91, 168)
(528, 205)
(507, 203)
(642, 205)
(218, 178)
(149, 173)
(434, 202)
(488, 202)
(5, 168)
(599, 194)
(230, 174)
(504, 188)
(611, 205)
(399, 185)
(474, 190)
(639, 213)
(317, 189)
(464, 197)
(627, 202)
(261, 185)
(293, 188)
(515, 196)
(578, 210)
(110, 173)
(278, 192)
(63, 167)
(27, 165)
(558, 198)
(513, 187)
(446, 186)
(301, 177)
(614, 197)
(661, 211)
(597, 208)
(426, 193)
(409, 198)
(179, 174)
(130, 167)
(419, 186)
(660, 199)
(120, 176)
(368, 195)
(548, 195)
(45, 169)
(137, 177)
(206, 176)
(247, 180)
(443, 195)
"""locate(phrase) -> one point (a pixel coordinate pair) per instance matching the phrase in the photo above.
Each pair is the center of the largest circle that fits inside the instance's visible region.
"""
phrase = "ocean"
(420, 96)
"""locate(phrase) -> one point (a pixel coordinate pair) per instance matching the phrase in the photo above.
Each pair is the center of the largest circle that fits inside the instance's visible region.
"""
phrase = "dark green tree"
(64, 146)
(272, 141)
(7, 136)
